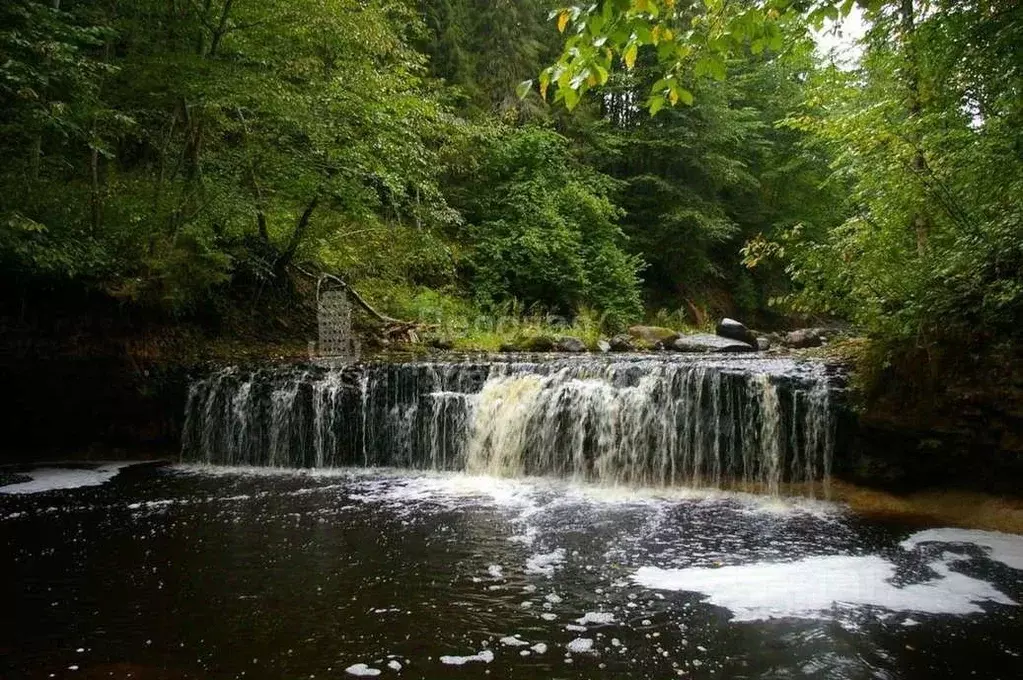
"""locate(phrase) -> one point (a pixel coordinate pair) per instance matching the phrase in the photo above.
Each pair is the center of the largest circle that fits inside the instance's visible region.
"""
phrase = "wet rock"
(621, 343)
(603, 345)
(569, 344)
(736, 330)
(706, 343)
(538, 343)
(763, 344)
(441, 343)
(651, 337)
(803, 338)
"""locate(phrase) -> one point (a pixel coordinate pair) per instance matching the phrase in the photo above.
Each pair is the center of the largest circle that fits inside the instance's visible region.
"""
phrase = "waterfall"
(753, 423)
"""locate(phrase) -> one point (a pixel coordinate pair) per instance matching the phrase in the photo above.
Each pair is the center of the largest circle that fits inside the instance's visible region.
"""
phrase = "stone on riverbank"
(569, 344)
(652, 337)
(736, 330)
(706, 343)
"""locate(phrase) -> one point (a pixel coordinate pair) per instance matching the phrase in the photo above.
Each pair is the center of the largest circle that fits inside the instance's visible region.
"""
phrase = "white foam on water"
(547, 616)
(394, 484)
(573, 627)
(486, 656)
(361, 669)
(815, 586)
(56, 478)
(580, 645)
(495, 571)
(1004, 548)
(394, 665)
(539, 648)
(512, 641)
(598, 618)
(545, 563)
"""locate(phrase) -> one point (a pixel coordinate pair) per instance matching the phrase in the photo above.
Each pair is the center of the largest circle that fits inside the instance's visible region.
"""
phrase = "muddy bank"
(87, 375)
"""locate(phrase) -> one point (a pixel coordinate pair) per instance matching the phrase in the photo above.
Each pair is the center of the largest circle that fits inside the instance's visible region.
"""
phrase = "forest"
(463, 161)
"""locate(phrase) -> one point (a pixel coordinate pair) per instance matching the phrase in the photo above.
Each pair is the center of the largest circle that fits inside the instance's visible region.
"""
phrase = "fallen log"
(393, 329)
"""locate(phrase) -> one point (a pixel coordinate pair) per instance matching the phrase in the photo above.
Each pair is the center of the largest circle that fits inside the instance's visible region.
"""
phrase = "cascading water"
(636, 420)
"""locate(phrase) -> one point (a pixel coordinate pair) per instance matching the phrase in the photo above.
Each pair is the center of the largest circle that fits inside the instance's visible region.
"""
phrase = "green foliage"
(700, 180)
(483, 49)
(184, 157)
(160, 151)
(542, 228)
(686, 39)
(933, 250)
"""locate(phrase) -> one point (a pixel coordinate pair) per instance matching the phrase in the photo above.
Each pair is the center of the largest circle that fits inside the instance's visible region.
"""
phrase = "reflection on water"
(227, 573)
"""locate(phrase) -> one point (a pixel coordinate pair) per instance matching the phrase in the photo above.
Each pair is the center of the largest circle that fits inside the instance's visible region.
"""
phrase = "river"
(193, 571)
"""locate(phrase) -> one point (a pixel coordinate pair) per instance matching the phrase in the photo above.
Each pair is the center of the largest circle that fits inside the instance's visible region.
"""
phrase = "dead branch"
(394, 328)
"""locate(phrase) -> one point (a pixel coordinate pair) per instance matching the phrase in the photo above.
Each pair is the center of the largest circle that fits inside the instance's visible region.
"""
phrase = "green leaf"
(655, 104)
(571, 97)
(629, 56)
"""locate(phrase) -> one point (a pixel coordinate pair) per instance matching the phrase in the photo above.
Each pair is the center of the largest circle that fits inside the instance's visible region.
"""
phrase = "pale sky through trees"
(839, 39)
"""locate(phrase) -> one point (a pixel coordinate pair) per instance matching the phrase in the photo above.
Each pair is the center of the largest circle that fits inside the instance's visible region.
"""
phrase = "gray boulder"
(441, 343)
(736, 330)
(803, 338)
(703, 343)
(569, 344)
(603, 345)
(763, 344)
(621, 343)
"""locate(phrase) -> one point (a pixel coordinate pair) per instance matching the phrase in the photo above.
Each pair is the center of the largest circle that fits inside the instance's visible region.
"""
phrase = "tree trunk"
(297, 236)
(221, 30)
(919, 222)
(35, 157)
(96, 205)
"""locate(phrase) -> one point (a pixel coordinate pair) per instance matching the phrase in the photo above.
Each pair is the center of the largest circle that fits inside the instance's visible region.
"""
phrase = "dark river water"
(190, 572)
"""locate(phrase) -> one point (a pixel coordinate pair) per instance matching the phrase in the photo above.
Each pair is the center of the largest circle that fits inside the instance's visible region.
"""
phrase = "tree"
(209, 142)
(541, 228)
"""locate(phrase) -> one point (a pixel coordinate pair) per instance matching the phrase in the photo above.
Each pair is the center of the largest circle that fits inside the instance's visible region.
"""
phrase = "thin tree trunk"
(919, 221)
(298, 235)
(96, 205)
(256, 189)
(35, 157)
(221, 30)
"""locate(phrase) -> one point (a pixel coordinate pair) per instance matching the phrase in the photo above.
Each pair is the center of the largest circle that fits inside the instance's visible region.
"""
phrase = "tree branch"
(260, 212)
(296, 236)
(394, 326)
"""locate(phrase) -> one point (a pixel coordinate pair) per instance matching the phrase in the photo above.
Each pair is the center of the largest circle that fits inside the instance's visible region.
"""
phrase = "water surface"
(193, 572)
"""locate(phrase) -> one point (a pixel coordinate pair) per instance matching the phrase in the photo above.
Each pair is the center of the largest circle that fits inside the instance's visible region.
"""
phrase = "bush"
(542, 229)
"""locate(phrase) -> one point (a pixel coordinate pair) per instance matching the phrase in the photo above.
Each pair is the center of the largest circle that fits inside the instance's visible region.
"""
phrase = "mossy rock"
(651, 337)
(533, 343)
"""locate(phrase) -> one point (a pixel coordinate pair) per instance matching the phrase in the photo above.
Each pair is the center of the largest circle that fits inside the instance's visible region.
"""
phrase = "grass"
(488, 333)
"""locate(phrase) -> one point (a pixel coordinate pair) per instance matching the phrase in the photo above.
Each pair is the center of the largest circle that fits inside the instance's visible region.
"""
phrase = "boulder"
(706, 343)
(803, 338)
(736, 330)
(569, 344)
(621, 343)
(763, 344)
(537, 343)
(649, 337)
(441, 343)
(603, 345)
